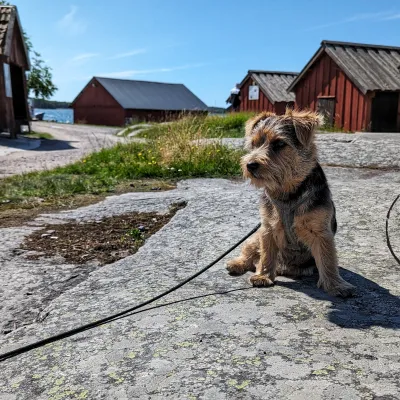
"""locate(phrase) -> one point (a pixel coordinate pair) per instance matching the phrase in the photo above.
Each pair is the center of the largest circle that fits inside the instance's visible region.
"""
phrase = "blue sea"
(64, 115)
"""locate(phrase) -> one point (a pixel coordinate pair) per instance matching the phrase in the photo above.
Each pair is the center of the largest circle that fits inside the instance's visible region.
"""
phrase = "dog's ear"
(305, 123)
(252, 122)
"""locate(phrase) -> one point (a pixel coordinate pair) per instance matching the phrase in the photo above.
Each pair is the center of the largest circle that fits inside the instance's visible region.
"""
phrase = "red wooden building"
(14, 62)
(356, 86)
(115, 102)
(266, 91)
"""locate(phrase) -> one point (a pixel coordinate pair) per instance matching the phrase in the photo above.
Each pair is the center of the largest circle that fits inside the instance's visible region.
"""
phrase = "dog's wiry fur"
(297, 212)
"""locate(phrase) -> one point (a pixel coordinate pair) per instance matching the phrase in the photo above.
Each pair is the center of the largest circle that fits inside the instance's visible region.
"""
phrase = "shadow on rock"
(54, 145)
(373, 304)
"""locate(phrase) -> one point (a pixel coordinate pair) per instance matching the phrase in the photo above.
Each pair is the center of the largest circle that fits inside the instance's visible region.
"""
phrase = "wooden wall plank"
(360, 112)
(333, 78)
(340, 88)
(354, 108)
(326, 75)
(398, 115)
(311, 95)
(347, 105)
(320, 79)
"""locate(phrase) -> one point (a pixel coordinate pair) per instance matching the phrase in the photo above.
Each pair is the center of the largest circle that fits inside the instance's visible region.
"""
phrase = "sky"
(208, 45)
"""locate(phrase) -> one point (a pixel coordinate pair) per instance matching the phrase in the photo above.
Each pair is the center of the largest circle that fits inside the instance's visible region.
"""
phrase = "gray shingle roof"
(9, 20)
(145, 95)
(5, 16)
(369, 67)
(274, 84)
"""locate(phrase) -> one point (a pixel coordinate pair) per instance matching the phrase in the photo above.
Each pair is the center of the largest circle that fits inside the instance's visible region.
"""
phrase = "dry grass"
(214, 126)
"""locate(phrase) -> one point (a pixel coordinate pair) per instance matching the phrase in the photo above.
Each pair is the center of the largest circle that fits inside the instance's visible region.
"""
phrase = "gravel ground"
(70, 143)
(291, 341)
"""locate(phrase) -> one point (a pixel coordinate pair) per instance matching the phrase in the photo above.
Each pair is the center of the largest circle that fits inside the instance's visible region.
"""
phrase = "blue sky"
(208, 45)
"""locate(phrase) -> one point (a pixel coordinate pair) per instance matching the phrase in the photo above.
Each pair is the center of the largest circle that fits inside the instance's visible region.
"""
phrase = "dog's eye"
(278, 145)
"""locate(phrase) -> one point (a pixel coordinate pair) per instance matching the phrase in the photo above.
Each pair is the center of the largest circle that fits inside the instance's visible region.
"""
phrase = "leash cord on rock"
(389, 245)
(121, 314)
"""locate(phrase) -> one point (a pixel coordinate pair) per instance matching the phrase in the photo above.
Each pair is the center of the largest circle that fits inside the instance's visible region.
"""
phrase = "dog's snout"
(252, 166)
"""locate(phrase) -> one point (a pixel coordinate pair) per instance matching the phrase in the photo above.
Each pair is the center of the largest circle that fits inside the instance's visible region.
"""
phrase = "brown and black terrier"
(297, 212)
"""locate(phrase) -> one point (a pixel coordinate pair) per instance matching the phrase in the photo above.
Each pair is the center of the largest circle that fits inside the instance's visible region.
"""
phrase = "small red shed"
(356, 86)
(266, 91)
(115, 102)
(14, 62)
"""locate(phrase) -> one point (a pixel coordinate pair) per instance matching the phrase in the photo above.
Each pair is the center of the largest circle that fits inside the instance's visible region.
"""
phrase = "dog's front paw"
(340, 289)
(237, 267)
(261, 281)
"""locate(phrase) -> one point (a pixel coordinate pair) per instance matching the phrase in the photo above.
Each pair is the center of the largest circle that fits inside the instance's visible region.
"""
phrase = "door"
(18, 93)
(384, 112)
(326, 107)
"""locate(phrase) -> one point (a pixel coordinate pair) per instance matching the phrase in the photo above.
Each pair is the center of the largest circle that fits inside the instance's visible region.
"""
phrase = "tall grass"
(180, 153)
(229, 125)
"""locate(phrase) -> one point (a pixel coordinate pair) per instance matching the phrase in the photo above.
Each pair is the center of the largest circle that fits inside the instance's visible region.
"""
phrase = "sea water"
(64, 115)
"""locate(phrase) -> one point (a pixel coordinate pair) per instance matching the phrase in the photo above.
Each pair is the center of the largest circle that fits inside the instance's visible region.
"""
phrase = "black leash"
(389, 245)
(121, 314)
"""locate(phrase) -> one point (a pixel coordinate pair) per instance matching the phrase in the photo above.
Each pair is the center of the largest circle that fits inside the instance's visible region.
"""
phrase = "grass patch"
(179, 154)
(213, 126)
(39, 135)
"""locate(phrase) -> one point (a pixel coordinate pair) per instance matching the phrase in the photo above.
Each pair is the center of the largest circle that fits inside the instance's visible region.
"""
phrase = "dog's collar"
(291, 200)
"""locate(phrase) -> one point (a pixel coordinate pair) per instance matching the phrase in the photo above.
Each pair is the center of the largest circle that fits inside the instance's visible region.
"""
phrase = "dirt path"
(70, 143)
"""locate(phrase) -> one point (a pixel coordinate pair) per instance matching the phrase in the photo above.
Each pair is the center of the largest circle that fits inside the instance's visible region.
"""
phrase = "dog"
(298, 216)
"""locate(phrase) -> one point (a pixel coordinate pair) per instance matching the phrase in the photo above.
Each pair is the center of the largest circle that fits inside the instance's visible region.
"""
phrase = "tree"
(39, 78)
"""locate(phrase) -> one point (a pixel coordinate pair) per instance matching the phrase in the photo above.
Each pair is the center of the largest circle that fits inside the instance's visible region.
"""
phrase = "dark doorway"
(19, 100)
(326, 107)
(384, 112)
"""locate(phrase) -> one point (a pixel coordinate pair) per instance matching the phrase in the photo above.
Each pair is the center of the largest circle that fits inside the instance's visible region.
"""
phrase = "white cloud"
(129, 54)
(391, 17)
(379, 16)
(135, 72)
(71, 24)
(84, 57)
(368, 16)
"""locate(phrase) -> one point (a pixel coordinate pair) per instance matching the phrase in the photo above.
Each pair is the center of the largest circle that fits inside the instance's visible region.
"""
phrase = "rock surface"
(291, 341)
(226, 340)
(347, 150)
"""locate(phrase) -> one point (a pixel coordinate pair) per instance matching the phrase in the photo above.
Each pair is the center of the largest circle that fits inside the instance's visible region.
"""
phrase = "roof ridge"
(261, 71)
(136, 80)
(351, 44)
